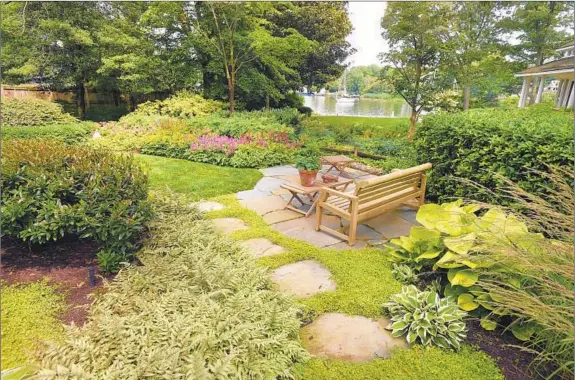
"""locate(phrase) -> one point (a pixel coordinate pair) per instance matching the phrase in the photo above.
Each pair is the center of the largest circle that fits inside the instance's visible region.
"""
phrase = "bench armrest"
(327, 190)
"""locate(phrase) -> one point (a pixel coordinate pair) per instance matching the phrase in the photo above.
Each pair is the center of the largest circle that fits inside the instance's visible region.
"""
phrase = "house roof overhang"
(559, 66)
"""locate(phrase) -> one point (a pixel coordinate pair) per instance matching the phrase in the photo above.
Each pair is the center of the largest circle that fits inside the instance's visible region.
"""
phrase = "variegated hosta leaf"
(433, 320)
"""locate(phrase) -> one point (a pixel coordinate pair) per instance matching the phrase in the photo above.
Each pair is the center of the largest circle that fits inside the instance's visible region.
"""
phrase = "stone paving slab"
(281, 216)
(264, 205)
(390, 224)
(279, 170)
(280, 192)
(349, 338)
(252, 194)
(268, 184)
(303, 279)
(228, 225)
(261, 247)
(359, 244)
(208, 206)
(304, 229)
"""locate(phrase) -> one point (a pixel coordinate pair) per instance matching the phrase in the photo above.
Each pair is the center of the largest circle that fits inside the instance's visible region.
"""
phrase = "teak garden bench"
(371, 198)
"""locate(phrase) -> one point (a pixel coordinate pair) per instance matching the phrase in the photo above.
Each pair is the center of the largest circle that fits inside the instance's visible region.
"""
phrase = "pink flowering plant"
(229, 145)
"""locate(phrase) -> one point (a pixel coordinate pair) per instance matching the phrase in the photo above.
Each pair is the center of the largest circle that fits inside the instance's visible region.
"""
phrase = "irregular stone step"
(228, 225)
(261, 247)
(208, 206)
(303, 279)
(349, 338)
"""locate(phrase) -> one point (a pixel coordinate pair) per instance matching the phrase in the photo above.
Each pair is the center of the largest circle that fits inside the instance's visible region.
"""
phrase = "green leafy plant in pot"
(308, 164)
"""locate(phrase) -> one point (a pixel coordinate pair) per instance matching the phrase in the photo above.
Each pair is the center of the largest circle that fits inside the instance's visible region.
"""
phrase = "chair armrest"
(329, 191)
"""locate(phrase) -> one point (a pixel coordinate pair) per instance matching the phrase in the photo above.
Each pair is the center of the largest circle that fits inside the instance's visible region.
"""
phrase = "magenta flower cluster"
(228, 145)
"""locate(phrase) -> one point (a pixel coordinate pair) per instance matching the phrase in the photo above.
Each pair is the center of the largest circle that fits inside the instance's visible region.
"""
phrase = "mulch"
(66, 265)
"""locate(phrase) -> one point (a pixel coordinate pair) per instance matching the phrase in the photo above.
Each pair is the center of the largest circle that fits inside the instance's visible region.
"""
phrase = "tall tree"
(416, 33)
(54, 43)
(540, 26)
(472, 38)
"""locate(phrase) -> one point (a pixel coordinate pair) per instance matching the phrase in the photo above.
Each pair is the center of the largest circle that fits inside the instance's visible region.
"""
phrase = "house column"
(540, 90)
(524, 91)
(571, 99)
(566, 94)
(558, 94)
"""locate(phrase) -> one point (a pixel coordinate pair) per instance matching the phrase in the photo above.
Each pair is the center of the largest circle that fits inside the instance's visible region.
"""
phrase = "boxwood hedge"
(67, 133)
(51, 191)
(478, 144)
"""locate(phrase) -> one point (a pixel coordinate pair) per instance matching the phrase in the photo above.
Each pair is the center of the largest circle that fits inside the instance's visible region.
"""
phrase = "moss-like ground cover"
(389, 122)
(197, 180)
(29, 315)
(364, 282)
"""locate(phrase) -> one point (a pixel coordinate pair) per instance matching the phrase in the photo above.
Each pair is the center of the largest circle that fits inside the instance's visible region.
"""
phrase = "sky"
(366, 36)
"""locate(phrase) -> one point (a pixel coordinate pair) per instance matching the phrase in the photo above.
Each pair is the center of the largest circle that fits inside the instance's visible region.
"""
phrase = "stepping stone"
(268, 184)
(208, 206)
(261, 247)
(303, 279)
(409, 215)
(349, 338)
(252, 194)
(228, 225)
(304, 229)
(264, 205)
(279, 170)
(281, 216)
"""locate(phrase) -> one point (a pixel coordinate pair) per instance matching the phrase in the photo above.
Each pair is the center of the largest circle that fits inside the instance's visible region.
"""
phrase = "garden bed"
(65, 265)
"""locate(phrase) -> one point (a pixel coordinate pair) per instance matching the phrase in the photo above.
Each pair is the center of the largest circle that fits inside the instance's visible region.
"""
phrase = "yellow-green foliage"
(364, 282)
(417, 363)
(29, 316)
(33, 112)
(198, 308)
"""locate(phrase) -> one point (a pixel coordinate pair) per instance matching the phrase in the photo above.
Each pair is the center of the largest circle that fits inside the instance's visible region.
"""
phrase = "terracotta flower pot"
(307, 177)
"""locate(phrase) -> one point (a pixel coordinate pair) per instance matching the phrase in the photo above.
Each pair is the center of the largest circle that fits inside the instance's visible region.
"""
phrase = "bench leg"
(352, 234)
(318, 217)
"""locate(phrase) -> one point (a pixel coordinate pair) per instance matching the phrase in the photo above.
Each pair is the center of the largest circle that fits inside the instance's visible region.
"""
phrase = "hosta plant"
(404, 274)
(423, 317)
(415, 250)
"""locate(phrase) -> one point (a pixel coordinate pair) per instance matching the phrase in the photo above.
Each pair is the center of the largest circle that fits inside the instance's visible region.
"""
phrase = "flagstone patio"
(268, 199)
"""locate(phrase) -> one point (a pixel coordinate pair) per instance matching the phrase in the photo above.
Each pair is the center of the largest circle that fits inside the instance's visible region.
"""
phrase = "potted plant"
(308, 164)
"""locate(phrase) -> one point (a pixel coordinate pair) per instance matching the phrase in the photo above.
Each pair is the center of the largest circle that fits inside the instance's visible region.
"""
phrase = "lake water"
(327, 105)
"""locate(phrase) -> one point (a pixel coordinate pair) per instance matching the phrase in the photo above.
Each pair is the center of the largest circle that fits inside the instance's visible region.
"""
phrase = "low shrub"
(67, 133)
(183, 105)
(198, 307)
(477, 144)
(404, 274)
(33, 112)
(52, 191)
(424, 317)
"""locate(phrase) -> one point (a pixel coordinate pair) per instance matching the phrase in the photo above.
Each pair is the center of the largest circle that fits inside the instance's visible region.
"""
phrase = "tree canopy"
(252, 53)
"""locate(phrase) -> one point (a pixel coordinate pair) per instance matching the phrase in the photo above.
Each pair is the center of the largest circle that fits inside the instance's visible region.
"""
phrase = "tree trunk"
(80, 100)
(412, 121)
(267, 102)
(116, 97)
(231, 97)
(86, 94)
(466, 96)
(132, 103)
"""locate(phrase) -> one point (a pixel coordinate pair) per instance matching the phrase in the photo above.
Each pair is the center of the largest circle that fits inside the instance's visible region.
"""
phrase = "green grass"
(372, 121)
(196, 180)
(29, 316)
(364, 281)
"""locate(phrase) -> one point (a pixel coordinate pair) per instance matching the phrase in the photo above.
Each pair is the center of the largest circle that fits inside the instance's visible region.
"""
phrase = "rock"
(264, 205)
(208, 206)
(349, 338)
(261, 247)
(303, 279)
(228, 225)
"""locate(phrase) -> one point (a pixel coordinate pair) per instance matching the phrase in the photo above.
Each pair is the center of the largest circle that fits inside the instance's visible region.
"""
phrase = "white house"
(562, 69)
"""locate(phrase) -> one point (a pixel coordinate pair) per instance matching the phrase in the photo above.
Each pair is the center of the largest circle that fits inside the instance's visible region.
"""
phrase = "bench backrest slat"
(383, 187)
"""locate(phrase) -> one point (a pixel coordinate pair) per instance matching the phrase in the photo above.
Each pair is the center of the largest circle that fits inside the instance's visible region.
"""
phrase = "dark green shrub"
(307, 111)
(51, 191)
(67, 133)
(33, 112)
(199, 307)
(474, 145)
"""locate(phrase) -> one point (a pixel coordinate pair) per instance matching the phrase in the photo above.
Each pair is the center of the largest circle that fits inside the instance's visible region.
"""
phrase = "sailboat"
(342, 96)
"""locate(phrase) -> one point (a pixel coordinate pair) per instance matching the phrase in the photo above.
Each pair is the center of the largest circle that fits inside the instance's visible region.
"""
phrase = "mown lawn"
(372, 121)
(194, 179)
